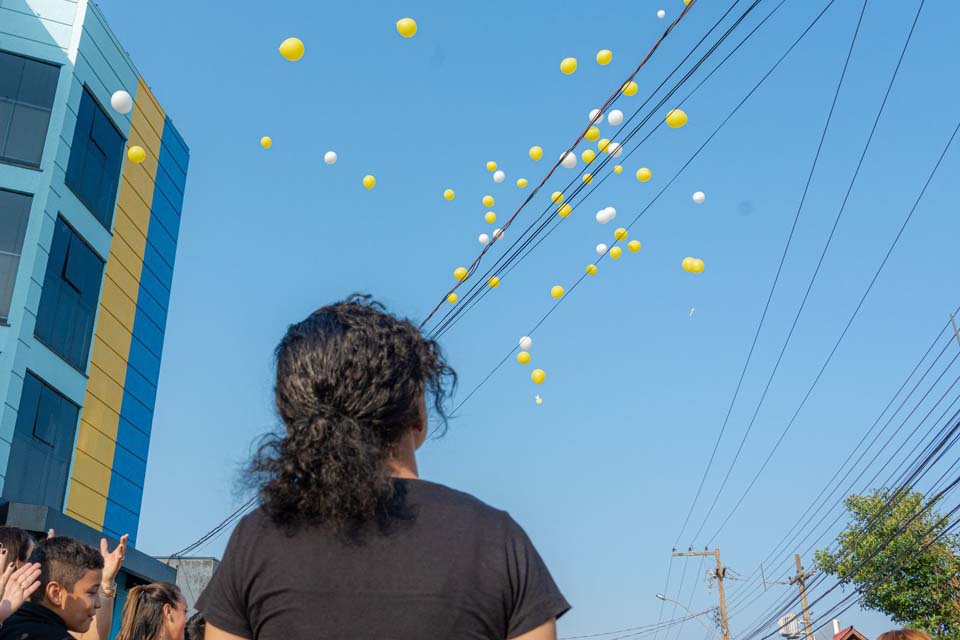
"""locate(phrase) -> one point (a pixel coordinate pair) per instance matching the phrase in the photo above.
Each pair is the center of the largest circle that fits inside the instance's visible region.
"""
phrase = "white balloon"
(596, 116)
(614, 149)
(499, 176)
(121, 102)
(484, 238)
(606, 215)
(601, 249)
(699, 197)
(526, 343)
(661, 14)
(330, 157)
(569, 160)
(615, 117)
(497, 234)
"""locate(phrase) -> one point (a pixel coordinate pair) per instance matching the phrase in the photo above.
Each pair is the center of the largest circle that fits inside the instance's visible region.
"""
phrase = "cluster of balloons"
(692, 265)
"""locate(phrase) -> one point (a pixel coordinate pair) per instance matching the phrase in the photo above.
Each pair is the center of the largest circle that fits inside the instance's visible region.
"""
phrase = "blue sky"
(602, 473)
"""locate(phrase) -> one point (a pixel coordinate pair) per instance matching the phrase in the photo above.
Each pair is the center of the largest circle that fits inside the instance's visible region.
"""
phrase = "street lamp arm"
(713, 632)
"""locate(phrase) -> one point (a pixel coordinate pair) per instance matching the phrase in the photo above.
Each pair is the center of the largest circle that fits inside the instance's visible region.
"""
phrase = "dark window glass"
(71, 289)
(94, 167)
(14, 214)
(42, 445)
(27, 89)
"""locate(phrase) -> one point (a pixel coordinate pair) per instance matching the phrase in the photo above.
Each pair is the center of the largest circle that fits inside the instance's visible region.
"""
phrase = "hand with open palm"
(16, 586)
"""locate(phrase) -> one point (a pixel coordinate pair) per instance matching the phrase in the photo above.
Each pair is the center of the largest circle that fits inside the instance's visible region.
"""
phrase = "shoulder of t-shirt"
(453, 498)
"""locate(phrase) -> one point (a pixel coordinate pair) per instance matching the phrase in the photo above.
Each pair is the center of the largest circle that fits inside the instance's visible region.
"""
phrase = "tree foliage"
(896, 553)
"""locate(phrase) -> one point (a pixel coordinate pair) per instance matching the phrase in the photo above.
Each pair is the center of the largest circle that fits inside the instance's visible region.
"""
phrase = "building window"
(94, 167)
(71, 289)
(27, 88)
(14, 213)
(42, 446)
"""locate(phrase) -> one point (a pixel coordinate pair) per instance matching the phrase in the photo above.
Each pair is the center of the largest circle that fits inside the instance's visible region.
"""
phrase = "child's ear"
(55, 593)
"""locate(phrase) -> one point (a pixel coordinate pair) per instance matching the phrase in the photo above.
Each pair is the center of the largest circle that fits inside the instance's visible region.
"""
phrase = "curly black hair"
(351, 380)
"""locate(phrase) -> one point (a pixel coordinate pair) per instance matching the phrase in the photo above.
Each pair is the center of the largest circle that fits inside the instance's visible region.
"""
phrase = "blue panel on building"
(129, 466)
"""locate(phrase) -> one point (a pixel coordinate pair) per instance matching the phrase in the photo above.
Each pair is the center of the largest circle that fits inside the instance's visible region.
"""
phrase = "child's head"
(70, 574)
(155, 610)
(196, 627)
(18, 544)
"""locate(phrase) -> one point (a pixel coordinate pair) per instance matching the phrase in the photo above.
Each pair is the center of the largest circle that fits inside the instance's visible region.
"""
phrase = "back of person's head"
(196, 627)
(352, 379)
(18, 543)
(70, 573)
(153, 612)
(903, 634)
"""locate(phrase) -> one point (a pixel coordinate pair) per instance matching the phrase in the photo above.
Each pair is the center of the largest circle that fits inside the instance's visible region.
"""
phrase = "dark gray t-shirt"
(459, 569)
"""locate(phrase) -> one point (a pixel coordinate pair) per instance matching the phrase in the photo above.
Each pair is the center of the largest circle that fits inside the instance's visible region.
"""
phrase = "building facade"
(87, 246)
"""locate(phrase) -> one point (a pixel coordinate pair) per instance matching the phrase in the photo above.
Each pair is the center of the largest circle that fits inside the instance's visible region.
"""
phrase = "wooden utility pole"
(801, 580)
(719, 573)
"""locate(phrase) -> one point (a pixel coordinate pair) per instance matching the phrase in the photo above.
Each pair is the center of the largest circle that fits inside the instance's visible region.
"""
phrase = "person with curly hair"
(348, 541)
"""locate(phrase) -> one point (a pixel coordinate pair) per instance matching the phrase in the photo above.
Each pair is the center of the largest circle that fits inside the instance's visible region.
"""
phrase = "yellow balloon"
(452, 298)
(592, 134)
(644, 174)
(604, 56)
(538, 400)
(686, 1)
(688, 264)
(535, 153)
(591, 269)
(556, 291)
(136, 154)
(487, 201)
(523, 357)
(697, 265)
(620, 234)
(588, 178)
(568, 66)
(564, 210)
(407, 27)
(538, 376)
(588, 155)
(521, 183)
(618, 169)
(603, 144)
(634, 246)
(557, 197)
(491, 166)
(266, 142)
(461, 273)
(369, 181)
(490, 217)
(630, 89)
(616, 252)
(493, 282)
(448, 194)
(676, 119)
(291, 49)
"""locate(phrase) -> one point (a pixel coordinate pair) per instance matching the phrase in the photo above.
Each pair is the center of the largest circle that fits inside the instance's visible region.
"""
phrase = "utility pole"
(719, 574)
(801, 580)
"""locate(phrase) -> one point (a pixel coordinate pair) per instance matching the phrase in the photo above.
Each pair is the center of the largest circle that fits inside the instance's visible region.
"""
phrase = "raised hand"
(112, 561)
(17, 587)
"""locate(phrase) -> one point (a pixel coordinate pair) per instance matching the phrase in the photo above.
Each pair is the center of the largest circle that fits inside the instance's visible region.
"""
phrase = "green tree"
(913, 580)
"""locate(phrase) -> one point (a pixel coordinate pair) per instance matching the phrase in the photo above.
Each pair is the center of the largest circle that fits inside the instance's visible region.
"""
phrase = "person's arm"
(112, 561)
(212, 633)
(546, 631)
(16, 587)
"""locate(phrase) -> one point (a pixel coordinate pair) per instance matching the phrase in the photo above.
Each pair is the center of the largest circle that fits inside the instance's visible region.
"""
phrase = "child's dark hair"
(17, 542)
(64, 561)
(196, 627)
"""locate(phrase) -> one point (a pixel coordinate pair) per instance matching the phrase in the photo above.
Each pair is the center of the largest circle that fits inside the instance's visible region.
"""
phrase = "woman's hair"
(350, 382)
(143, 610)
(17, 542)
(903, 634)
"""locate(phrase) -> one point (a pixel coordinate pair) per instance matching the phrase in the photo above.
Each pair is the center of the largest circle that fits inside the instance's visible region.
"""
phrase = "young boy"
(68, 597)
